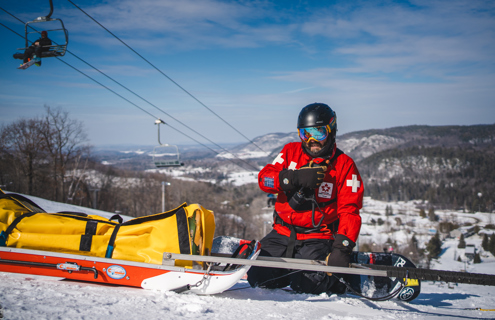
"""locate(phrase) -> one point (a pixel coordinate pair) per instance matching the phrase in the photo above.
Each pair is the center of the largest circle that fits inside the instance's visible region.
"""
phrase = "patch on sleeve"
(278, 159)
(292, 165)
(325, 190)
(354, 183)
(269, 182)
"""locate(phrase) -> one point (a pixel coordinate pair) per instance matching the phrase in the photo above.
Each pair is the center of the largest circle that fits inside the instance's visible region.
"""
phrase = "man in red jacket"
(320, 193)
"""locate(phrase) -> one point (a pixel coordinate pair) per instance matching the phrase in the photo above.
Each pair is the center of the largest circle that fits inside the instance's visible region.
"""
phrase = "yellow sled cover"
(187, 229)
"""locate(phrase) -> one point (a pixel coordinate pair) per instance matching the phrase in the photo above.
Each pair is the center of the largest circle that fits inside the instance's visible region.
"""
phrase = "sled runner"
(121, 272)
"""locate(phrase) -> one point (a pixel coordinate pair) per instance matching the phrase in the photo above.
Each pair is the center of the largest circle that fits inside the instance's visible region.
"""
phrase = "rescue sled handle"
(169, 259)
(357, 269)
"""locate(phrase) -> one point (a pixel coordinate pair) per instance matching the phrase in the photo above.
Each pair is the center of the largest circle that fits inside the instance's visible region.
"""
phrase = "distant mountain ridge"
(358, 145)
(447, 165)
(362, 144)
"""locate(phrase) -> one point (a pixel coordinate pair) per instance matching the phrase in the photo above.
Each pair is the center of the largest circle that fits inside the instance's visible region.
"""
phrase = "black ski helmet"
(316, 115)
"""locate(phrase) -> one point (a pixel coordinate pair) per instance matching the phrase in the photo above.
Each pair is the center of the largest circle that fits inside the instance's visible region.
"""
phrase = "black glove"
(341, 252)
(306, 177)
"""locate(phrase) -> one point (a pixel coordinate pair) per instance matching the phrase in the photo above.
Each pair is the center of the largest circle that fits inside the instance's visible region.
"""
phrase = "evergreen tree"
(491, 244)
(422, 213)
(477, 258)
(431, 214)
(414, 242)
(389, 211)
(434, 247)
(484, 243)
(462, 242)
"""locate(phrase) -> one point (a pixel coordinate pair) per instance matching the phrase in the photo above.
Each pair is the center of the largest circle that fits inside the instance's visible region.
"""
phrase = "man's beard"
(317, 149)
(314, 146)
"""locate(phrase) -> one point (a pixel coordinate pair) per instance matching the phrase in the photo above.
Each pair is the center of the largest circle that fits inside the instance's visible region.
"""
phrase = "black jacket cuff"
(343, 243)
(286, 179)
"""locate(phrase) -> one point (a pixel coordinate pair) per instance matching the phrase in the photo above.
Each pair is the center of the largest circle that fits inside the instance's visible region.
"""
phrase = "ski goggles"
(315, 133)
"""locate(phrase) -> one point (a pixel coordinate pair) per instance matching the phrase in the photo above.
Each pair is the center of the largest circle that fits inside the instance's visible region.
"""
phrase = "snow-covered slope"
(261, 147)
(362, 147)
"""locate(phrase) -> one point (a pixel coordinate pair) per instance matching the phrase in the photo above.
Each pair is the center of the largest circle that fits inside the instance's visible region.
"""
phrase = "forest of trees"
(36, 155)
(450, 178)
(49, 157)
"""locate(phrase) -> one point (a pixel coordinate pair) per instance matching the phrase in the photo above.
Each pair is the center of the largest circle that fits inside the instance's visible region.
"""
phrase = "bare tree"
(64, 139)
(23, 145)
(35, 154)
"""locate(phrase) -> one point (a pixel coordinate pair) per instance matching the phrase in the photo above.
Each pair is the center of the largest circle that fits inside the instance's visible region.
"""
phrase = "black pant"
(32, 50)
(275, 245)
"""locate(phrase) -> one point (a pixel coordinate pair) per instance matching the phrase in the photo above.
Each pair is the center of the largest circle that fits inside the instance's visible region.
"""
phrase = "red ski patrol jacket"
(340, 195)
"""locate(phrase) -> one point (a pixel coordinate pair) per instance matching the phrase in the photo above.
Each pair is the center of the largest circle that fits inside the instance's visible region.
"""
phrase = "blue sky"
(378, 64)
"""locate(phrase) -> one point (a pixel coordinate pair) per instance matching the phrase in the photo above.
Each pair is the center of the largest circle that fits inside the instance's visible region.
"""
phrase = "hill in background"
(447, 165)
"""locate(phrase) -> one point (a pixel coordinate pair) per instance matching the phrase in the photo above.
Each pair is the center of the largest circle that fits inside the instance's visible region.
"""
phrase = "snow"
(53, 207)
(243, 155)
(237, 178)
(37, 297)
(365, 146)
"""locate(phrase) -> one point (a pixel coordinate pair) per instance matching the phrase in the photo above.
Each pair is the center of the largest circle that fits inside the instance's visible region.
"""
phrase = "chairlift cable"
(149, 112)
(137, 95)
(151, 104)
(216, 152)
(169, 78)
(146, 111)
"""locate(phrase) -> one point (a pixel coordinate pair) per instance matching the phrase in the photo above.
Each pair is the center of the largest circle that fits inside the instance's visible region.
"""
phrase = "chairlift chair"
(171, 152)
(56, 50)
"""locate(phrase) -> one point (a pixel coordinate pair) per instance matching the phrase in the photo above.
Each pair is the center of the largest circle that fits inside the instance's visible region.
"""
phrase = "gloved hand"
(341, 252)
(306, 177)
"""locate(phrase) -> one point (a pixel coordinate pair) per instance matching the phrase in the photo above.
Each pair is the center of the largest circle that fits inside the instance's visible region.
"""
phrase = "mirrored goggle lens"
(317, 133)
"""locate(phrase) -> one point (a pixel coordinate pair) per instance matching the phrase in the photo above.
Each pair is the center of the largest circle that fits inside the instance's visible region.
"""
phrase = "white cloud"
(432, 38)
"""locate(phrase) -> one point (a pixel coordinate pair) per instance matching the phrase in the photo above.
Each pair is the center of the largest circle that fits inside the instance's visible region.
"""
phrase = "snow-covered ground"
(37, 297)
(237, 178)
(244, 155)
